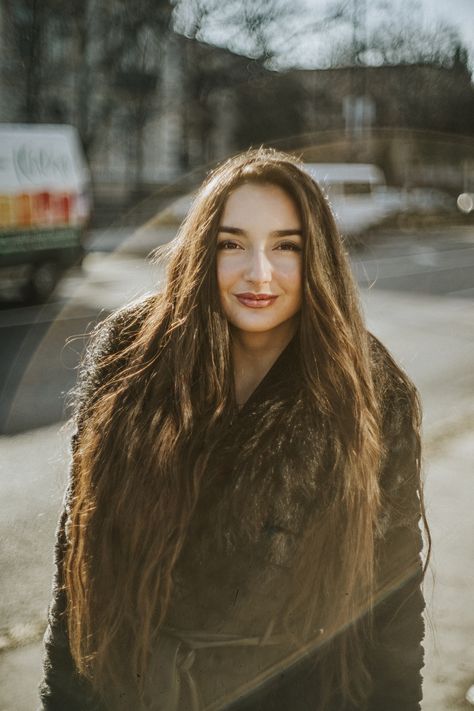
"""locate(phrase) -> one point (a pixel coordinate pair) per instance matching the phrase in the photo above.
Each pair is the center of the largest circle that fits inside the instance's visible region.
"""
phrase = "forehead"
(254, 205)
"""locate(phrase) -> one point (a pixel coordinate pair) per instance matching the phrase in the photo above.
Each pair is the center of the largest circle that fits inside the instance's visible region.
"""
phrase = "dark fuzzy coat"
(235, 583)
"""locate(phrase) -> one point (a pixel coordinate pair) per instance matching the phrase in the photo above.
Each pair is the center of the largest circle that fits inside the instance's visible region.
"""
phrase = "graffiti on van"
(36, 163)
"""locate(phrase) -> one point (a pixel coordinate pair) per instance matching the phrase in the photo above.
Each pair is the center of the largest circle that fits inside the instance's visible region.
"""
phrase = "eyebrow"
(275, 233)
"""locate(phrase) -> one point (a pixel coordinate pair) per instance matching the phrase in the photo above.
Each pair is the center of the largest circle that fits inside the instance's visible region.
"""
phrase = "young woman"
(241, 528)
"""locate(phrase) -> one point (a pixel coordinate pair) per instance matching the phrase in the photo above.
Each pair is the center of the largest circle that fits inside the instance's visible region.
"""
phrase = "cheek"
(292, 274)
(226, 272)
(220, 272)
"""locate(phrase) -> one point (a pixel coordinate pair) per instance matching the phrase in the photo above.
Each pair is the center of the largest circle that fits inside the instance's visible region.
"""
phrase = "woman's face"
(259, 260)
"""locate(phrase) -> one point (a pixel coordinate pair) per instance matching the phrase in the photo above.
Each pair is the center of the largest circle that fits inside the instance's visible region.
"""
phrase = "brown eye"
(228, 244)
(289, 247)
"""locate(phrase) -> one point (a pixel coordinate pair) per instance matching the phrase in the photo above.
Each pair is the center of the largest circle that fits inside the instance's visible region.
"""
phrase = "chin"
(256, 328)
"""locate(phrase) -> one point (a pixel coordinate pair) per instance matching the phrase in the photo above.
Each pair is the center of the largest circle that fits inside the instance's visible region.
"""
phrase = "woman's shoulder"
(400, 411)
(112, 332)
(397, 394)
(400, 415)
(106, 341)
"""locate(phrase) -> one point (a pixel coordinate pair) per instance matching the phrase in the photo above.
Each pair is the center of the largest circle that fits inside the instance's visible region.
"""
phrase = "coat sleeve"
(396, 654)
(62, 687)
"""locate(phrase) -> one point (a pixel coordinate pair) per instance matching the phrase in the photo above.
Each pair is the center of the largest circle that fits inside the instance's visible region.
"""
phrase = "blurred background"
(110, 116)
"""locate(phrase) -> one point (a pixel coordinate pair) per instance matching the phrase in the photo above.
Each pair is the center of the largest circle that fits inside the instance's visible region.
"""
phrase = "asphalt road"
(41, 346)
(438, 263)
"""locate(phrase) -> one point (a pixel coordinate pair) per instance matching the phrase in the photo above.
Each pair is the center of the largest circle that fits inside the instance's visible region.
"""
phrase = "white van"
(44, 205)
(357, 193)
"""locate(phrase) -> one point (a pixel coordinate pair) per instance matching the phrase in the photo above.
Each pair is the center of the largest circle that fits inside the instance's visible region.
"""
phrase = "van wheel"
(42, 282)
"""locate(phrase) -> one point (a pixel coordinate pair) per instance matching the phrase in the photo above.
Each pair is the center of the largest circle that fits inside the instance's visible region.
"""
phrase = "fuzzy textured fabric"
(235, 571)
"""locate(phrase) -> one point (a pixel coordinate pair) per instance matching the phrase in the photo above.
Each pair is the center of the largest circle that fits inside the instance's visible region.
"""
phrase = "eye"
(289, 246)
(228, 244)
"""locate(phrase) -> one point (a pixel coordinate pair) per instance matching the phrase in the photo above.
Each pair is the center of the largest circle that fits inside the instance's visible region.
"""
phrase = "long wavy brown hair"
(164, 399)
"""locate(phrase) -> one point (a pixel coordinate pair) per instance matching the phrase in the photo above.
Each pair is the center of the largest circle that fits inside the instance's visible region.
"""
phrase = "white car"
(357, 193)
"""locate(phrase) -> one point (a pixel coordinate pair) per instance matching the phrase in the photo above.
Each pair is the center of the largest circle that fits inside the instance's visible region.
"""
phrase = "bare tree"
(249, 27)
(132, 58)
(400, 38)
(82, 61)
(24, 27)
(252, 29)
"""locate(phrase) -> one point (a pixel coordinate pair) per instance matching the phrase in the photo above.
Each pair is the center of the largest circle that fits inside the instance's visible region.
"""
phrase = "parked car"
(45, 205)
(428, 200)
(358, 194)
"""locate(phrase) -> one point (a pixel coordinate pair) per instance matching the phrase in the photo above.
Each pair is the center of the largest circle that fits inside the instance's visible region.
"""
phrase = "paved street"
(41, 346)
(430, 330)
(449, 648)
(439, 263)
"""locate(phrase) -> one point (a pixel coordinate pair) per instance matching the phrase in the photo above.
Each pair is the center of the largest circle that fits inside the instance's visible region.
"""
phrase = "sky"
(296, 46)
(458, 13)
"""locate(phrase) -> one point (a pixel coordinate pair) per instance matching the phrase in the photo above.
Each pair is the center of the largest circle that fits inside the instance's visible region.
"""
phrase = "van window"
(357, 188)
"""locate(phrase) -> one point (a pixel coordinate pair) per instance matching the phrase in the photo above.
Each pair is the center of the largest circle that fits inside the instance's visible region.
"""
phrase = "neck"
(253, 355)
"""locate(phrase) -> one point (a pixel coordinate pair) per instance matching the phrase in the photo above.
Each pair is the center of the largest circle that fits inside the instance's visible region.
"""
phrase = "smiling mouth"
(256, 301)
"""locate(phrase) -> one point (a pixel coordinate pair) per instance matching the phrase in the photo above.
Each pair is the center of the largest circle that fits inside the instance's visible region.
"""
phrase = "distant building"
(415, 96)
(417, 121)
(193, 104)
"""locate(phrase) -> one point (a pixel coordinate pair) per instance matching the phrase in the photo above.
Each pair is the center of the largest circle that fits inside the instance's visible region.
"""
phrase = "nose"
(259, 269)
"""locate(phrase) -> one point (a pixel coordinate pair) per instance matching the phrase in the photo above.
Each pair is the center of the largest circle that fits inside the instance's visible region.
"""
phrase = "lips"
(256, 301)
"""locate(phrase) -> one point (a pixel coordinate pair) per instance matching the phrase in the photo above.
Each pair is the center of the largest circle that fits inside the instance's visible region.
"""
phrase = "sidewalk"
(449, 585)
(434, 340)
